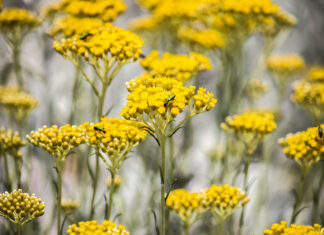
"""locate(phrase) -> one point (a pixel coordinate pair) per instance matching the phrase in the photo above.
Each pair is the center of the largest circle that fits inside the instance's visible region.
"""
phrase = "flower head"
(163, 99)
(68, 206)
(186, 204)
(250, 127)
(103, 42)
(14, 18)
(118, 181)
(180, 67)
(92, 227)
(19, 207)
(286, 64)
(11, 142)
(144, 23)
(58, 141)
(305, 147)
(223, 200)
(283, 229)
(316, 74)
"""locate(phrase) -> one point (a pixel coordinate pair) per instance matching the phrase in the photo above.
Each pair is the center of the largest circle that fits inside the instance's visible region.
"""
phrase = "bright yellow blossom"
(304, 147)
(180, 67)
(11, 142)
(223, 200)
(92, 227)
(144, 23)
(58, 141)
(286, 64)
(68, 206)
(250, 127)
(20, 208)
(12, 19)
(187, 205)
(316, 74)
(283, 229)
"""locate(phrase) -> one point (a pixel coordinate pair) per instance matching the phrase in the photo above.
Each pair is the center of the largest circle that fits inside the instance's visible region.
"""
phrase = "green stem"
(245, 186)
(163, 182)
(186, 228)
(94, 189)
(75, 95)
(18, 229)
(7, 172)
(18, 171)
(17, 65)
(317, 196)
(59, 195)
(220, 227)
(299, 197)
(111, 194)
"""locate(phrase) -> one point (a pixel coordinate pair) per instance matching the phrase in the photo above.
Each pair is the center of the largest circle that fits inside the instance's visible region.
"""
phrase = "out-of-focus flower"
(18, 103)
(286, 64)
(304, 147)
(315, 74)
(162, 99)
(115, 137)
(11, 142)
(58, 141)
(144, 23)
(283, 229)
(310, 96)
(180, 67)
(92, 227)
(256, 88)
(185, 204)
(223, 200)
(250, 127)
(15, 19)
(20, 208)
(68, 206)
(105, 10)
(118, 181)
(208, 39)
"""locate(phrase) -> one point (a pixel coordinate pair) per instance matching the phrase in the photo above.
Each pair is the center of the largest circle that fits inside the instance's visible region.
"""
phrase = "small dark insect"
(142, 56)
(169, 99)
(98, 128)
(320, 131)
(84, 36)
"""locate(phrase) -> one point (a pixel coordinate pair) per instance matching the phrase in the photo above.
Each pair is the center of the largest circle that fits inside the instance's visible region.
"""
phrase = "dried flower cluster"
(13, 18)
(92, 227)
(286, 64)
(19, 207)
(11, 142)
(283, 229)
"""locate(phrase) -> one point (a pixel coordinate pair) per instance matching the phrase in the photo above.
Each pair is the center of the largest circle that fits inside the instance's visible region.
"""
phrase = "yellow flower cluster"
(11, 142)
(286, 64)
(209, 38)
(256, 88)
(69, 205)
(223, 200)
(17, 18)
(58, 141)
(69, 26)
(316, 74)
(309, 95)
(185, 204)
(120, 44)
(144, 23)
(282, 229)
(250, 127)
(105, 10)
(19, 207)
(163, 98)
(92, 227)
(180, 67)
(305, 147)
(115, 136)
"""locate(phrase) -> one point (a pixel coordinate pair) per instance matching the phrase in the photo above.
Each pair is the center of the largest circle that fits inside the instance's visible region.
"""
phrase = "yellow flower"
(256, 88)
(68, 206)
(108, 42)
(105, 10)
(223, 200)
(282, 229)
(58, 141)
(250, 127)
(286, 64)
(13, 18)
(18, 103)
(144, 23)
(11, 142)
(208, 38)
(305, 147)
(162, 99)
(310, 96)
(180, 67)
(316, 74)
(187, 205)
(19, 207)
(92, 227)
(118, 181)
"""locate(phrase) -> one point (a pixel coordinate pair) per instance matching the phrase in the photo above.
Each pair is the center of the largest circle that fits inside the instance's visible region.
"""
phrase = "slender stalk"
(299, 196)
(75, 94)
(186, 228)
(59, 195)
(18, 171)
(111, 194)
(245, 186)
(18, 229)
(163, 181)
(16, 61)
(7, 172)
(317, 196)
(220, 227)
